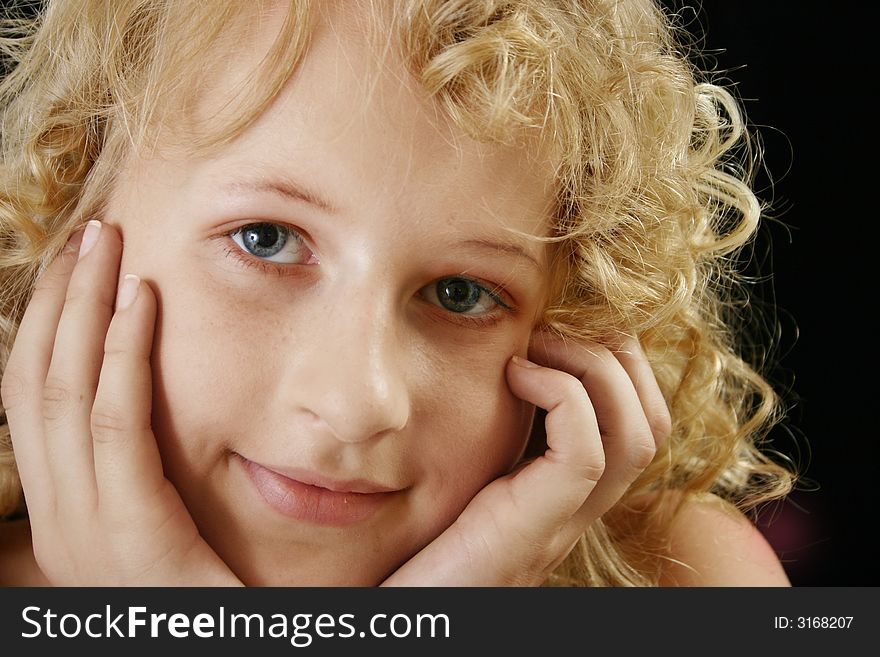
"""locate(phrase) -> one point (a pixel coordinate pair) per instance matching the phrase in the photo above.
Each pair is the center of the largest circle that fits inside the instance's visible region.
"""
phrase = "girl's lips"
(312, 503)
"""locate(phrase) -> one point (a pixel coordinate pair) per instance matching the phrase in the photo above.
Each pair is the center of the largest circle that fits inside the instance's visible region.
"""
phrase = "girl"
(284, 283)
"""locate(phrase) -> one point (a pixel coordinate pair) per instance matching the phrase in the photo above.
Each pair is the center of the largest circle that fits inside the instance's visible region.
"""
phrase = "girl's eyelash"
(251, 262)
(479, 321)
(495, 296)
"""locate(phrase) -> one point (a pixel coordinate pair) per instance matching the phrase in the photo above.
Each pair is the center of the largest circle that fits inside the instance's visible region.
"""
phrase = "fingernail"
(90, 236)
(522, 362)
(73, 242)
(128, 291)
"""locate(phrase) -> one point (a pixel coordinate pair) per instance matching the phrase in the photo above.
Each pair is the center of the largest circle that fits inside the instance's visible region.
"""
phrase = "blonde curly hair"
(653, 201)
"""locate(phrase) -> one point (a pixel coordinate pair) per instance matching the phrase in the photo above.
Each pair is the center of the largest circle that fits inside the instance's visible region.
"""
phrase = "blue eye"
(462, 296)
(272, 242)
(263, 240)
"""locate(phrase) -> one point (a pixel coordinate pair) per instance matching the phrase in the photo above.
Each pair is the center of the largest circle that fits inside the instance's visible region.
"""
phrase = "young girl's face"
(338, 300)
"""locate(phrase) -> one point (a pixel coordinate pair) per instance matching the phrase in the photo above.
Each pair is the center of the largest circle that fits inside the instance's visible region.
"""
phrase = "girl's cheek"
(204, 352)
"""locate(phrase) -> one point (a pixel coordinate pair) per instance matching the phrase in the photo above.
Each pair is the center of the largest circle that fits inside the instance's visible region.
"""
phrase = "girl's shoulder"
(17, 564)
(712, 543)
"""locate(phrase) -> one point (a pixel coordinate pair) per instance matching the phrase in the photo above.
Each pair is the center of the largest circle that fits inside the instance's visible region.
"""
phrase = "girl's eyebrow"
(285, 188)
(504, 247)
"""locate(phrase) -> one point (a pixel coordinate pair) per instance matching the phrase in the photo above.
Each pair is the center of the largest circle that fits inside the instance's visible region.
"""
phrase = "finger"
(631, 356)
(555, 485)
(25, 374)
(76, 362)
(127, 462)
(626, 435)
(622, 420)
(617, 405)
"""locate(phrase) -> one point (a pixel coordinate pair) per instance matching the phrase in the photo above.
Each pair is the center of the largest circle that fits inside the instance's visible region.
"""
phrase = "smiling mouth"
(340, 504)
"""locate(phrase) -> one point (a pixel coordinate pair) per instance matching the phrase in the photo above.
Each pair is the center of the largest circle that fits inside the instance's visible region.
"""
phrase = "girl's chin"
(339, 573)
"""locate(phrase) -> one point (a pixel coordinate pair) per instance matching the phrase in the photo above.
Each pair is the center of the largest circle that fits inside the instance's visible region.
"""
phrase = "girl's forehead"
(336, 60)
(353, 100)
(350, 49)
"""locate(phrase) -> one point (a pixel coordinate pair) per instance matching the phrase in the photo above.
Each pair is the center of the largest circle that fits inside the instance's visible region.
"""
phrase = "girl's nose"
(354, 378)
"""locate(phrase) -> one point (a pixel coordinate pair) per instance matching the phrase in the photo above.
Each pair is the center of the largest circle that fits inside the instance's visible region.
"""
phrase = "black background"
(800, 70)
(802, 73)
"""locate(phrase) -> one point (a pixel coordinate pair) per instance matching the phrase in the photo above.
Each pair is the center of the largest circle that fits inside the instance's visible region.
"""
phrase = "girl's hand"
(77, 392)
(605, 419)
